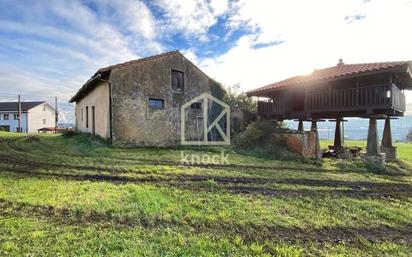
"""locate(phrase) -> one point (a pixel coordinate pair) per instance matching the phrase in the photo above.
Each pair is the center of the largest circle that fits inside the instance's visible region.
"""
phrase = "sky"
(50, 48)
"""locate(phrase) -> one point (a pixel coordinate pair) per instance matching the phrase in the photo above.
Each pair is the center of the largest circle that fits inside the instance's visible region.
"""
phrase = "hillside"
(78, 196)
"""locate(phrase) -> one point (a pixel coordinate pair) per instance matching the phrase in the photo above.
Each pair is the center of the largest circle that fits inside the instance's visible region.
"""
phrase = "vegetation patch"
(258, 140)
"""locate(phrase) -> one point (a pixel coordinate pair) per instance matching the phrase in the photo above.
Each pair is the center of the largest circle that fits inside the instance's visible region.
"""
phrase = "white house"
(34, 115)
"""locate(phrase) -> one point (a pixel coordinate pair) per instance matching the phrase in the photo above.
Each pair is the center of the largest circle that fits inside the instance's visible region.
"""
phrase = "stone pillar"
(372, 148)
(387, 147)
(314, 128)
(338, 136)
(300, 126)
(373, 154)
(387, 134)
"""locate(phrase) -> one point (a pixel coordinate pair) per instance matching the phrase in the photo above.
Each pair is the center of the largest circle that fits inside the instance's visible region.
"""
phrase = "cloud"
(191, 18)
(314, 34)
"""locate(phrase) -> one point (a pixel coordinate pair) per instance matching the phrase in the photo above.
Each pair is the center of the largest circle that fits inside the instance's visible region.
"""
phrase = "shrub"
(258, 140)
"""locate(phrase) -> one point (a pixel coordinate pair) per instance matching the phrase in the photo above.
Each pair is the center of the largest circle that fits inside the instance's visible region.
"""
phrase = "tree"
(238, 99)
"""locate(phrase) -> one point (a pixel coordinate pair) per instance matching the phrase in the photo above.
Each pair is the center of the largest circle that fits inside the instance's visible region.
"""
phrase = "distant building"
(138, 102)
(34, 115)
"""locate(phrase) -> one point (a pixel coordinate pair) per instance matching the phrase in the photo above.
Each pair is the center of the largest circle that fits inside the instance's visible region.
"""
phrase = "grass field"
(79, 197)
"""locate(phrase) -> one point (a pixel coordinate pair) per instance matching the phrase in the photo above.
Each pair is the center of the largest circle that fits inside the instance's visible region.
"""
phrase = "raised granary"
(368, 90)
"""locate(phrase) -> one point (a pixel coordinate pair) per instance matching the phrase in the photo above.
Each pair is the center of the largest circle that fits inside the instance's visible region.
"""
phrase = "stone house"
(34, 115)
(137, 103)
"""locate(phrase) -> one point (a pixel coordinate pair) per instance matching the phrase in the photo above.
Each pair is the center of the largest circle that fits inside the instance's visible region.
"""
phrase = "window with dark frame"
(155, 103)
(87, 116)
(177, 80)
(81, 114)
(16, 116)
(6, 117)
(196, 106)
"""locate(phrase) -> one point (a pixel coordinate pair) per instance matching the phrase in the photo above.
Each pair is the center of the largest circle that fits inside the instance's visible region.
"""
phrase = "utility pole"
(19, 114)
(56, 115)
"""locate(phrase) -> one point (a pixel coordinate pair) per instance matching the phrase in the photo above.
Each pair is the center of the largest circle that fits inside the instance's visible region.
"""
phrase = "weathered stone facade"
(132, 84)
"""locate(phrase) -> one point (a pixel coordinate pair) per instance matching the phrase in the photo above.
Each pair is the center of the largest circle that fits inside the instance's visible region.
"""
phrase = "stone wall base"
(374, 159)
(303, 143)
(390, 153)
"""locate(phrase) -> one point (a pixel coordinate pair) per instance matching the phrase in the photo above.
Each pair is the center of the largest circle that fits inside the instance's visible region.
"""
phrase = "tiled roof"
(90, 83)
(336, 72)
(14, 106)
(135, 61)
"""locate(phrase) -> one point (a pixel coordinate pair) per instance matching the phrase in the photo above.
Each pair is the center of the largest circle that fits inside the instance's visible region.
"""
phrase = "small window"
(156, 103)
(81, 114)
(44, 108)
(177, 80)
(16, 116)
(196, 106)
(6, 117)
(44, 121)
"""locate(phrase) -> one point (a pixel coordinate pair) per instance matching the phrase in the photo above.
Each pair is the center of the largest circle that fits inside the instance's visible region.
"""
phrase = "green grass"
(80, 197)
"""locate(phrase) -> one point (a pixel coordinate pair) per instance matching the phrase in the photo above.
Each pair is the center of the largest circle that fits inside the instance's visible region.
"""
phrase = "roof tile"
(335, 72)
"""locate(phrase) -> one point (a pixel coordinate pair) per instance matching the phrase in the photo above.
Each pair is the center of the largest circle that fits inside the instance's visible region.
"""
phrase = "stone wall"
(134, 122)
(303, 143)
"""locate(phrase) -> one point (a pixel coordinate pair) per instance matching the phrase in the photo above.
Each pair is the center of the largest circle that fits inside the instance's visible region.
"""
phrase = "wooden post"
(338, 136)
(314, 128)
(300, 126)
(372, 148)
(56, 115)
(387, 133)
(342, 139)
(19, 114)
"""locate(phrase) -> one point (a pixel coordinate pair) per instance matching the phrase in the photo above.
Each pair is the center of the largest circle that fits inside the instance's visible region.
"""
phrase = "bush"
(258, 140)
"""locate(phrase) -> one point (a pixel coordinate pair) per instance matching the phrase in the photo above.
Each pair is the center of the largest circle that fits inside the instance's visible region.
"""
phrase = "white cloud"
(315, 35)
(192, 18)
(134, 15)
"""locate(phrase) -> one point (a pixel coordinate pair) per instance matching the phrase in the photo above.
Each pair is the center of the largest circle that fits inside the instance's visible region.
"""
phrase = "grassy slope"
(77, 196)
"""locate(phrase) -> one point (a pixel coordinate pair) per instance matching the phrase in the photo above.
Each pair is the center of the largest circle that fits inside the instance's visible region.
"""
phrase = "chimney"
(340, 62)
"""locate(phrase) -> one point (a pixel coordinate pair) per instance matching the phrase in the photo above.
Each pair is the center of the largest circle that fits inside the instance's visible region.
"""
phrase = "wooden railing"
(371, 97)
(273, 106)
(398, 99)
(386, 96)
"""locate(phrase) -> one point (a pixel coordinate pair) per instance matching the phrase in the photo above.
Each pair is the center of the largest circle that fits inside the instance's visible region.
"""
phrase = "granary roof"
(339, 71)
